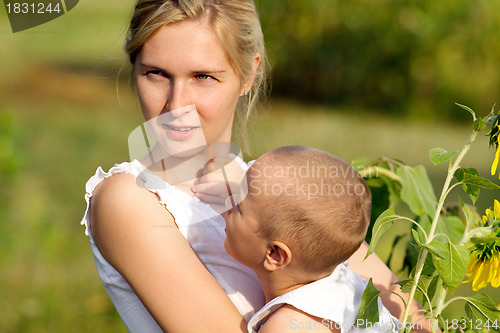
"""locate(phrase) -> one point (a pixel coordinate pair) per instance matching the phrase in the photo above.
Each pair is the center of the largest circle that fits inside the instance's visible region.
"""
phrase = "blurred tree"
(9, 167)
(416, 57)
(9, 157)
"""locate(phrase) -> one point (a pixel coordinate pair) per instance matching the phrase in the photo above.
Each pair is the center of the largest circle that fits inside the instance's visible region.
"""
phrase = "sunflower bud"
(494, 142)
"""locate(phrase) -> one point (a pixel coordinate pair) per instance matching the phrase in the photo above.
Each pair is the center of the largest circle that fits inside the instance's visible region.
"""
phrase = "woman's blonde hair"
(235, 23)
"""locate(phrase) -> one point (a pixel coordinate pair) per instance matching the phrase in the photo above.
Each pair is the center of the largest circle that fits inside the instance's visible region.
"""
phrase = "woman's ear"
(278, 256)
(247, 86)
(255, 65)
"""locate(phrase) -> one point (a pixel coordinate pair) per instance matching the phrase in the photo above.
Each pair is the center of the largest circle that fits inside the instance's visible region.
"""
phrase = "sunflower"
(484, 269)
(490, 216)
(484, 264)
(495, 141)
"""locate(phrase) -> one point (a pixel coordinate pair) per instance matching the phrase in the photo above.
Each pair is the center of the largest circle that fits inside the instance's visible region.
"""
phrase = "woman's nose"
(178, 98)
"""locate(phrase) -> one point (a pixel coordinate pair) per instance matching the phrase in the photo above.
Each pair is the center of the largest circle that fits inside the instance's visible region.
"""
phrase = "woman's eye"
(155, 74)
(204, 77)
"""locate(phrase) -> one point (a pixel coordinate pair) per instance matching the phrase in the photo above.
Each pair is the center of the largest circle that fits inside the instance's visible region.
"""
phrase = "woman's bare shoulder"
(121, 207)
(122, 186)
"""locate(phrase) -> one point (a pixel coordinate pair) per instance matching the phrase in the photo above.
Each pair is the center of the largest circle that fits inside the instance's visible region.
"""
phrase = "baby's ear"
(278, 256)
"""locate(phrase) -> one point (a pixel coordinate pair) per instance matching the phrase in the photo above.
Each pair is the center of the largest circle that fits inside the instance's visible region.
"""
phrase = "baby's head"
(304, 201)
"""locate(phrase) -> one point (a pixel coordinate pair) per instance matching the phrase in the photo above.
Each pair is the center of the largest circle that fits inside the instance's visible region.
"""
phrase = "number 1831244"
(32, 8)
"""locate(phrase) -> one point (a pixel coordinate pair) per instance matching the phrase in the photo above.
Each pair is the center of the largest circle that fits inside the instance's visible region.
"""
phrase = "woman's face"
(182, 65)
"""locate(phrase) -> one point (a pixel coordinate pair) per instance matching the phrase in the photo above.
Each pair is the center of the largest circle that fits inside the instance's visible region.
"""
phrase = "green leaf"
(452, 226)
(405, 285)
(429, 268)
(468, 178)
(433, 286)
(442, 324)
(417, 190)
(394, 189)
(426, 284)
(478, 125)
(380, 202)
(481, 308)
(468, 109)
(416, 237)
(452, 267)
(471, 190)
(361, 163)
(368, 310)
(410, 257)
(439, 155)
(383, 222)
(436, 248)
(466, 210)
(482, 182)
(481, 240)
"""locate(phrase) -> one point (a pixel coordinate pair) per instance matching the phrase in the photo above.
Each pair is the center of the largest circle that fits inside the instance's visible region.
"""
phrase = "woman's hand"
(220, 178)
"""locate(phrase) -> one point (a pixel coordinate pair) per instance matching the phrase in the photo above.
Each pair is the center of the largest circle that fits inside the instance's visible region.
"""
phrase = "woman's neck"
(178, 170)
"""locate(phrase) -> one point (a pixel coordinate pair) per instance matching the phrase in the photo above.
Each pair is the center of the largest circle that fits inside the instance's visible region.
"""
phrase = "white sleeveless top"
(206, 238)
(335, 298)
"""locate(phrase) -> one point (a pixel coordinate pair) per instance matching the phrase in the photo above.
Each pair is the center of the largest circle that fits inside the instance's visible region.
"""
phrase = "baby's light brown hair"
(314, 202)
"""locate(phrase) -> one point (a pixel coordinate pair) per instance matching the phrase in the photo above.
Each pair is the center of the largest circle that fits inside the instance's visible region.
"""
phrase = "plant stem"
(469, 234)
(379, 171)
(418, 271)
(447, 182)
(451, 300)
(439, 307)
(423, 253)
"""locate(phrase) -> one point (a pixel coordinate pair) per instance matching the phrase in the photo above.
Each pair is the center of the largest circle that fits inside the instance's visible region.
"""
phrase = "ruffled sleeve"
(133, 168)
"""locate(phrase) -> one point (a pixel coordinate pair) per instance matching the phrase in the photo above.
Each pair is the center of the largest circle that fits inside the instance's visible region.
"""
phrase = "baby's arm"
(288, 319)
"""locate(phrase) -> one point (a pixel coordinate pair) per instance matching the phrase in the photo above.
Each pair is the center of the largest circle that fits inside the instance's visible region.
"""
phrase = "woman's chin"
(181, 149)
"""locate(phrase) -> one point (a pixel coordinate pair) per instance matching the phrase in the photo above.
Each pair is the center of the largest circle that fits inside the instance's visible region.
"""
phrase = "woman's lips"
(180, 133)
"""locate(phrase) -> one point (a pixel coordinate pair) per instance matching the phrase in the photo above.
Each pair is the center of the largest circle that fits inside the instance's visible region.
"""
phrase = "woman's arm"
(383, 279)
(138, 236)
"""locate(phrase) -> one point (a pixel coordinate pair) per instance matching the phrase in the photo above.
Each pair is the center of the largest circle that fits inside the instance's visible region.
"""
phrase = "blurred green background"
(356, 78)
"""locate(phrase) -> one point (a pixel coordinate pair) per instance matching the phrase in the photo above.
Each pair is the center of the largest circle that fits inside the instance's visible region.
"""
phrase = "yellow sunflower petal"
(496, 206)
(495, 281)
(471, 269)
(487, 214)
(495, 161)
(487, 271)
(482, 276)
(472, 264)
(476, 279)
(470, 279)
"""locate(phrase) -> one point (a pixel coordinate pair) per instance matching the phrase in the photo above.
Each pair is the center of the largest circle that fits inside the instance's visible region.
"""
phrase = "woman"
(158, 249)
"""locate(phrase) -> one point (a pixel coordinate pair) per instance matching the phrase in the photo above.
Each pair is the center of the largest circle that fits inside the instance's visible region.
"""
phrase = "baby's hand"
(221, 177)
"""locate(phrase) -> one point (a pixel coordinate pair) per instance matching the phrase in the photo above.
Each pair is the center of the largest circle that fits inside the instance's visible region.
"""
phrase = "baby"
(305, 214)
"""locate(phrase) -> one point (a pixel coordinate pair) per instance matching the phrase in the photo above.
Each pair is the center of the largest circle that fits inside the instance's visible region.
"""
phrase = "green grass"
(58, 84)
